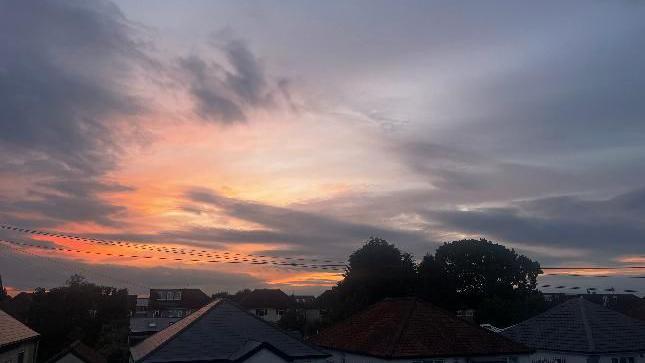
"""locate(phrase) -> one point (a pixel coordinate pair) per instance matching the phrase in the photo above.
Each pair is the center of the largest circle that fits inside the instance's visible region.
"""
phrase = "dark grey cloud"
(222, 95)
(462, 173)
(63, 77)
(73, 201)
(65, 73)
(607, 227)
(306, 231)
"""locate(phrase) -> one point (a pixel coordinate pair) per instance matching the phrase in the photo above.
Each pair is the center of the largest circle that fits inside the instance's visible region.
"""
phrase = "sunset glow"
(297, 132)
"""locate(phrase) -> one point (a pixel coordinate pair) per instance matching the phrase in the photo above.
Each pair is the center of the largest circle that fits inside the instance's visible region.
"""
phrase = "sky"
(294, 129)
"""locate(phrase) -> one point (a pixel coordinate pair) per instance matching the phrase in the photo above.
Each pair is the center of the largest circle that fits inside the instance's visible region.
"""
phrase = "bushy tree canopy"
(479, 274)
(97, 315)
(497, 282)
(375, 271)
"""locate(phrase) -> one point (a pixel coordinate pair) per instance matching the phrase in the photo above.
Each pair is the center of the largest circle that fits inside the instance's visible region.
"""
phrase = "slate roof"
(13, 332)
(267, 298)
(220, 331)
(578, 325)
(628, 304)
(82, 352)
(410, 328)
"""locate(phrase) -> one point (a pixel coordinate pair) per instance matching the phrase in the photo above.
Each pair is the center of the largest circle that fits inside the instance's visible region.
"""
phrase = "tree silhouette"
(376, 271)
(480, 274)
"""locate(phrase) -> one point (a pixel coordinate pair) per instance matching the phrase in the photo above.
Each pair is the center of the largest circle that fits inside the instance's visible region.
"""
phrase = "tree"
(480, 274)
(376, 271)
(96, 315)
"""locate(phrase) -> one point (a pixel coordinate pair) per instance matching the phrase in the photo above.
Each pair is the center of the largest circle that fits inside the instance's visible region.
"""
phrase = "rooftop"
(220, 331)
(267, 298)
(82, 352)
(12, 331)
(411, 328)
(578, 325)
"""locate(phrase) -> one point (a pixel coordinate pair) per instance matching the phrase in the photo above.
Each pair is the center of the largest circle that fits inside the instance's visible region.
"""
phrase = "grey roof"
(578, 325)
(12, 331)
(220, 331)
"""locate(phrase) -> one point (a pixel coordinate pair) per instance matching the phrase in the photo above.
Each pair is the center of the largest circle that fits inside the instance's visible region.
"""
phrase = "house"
(141, 305)
(143, 327)
(308, 307)
(580, 331)
(268, 304)
(411, 330)
(174, 303)
(78, 352)
(223, 331)
(18, 343)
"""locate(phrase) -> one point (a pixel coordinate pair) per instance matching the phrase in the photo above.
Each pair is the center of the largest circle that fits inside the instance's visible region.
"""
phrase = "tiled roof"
(578, 325)
(267, 298)
(411, 328)
(219, 331)
(12, 331)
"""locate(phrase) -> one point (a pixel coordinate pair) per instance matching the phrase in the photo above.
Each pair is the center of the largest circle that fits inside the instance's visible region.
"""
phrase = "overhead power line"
(592, 289)
(178, 259)
(62, 266)
(210, 253)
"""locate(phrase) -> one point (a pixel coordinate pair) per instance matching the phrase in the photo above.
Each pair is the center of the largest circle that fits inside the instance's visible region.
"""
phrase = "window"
(260, 312)
(280, 312)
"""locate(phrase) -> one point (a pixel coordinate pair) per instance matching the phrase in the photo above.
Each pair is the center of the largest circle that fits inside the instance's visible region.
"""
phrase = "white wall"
(271, 316)
(11, 356)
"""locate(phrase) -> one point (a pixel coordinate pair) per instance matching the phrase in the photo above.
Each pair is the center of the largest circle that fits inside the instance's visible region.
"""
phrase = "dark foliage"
(376, 270)
(96, 315)
(499, 283)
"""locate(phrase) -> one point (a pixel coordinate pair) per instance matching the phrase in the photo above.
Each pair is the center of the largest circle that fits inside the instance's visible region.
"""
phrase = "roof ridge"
(202, 312)
(275, 326)
(585, 323)
(406, 321)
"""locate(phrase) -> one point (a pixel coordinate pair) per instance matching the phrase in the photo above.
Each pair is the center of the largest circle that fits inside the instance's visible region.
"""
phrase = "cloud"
(63, 79)
(305, 231)
(73, 201)
(66, 70)
(27, 272)
(606, 227)
(226, 96)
